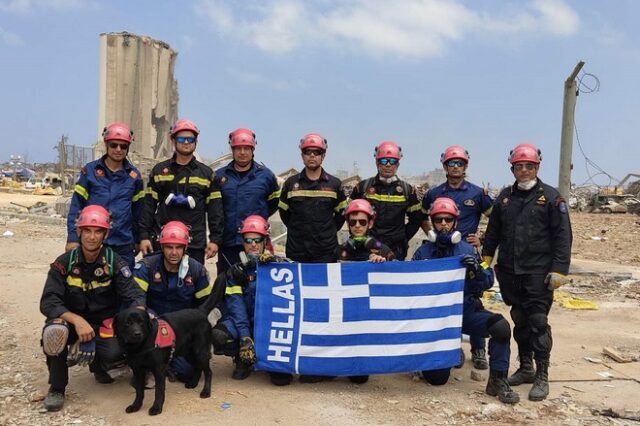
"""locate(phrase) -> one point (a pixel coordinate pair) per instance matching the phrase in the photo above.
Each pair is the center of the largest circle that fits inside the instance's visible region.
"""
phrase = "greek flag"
(359, 318)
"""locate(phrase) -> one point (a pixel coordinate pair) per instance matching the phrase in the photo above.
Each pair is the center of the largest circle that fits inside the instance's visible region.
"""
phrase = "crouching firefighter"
(444, 241)
(233, 335)
(85, 286)
(172, 280)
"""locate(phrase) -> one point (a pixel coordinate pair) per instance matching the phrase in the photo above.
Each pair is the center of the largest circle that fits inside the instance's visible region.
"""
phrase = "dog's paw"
(205, 394)
(154, 411)
(132, 408)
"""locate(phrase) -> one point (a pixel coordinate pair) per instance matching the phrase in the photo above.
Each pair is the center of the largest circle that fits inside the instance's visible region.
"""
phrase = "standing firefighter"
(530, 226)
(393, 199)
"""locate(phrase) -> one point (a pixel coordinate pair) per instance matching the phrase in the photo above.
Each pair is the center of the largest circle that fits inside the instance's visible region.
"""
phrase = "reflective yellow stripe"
(81, 191)
(312, 193)
(341, 206)
(142, 284)
(77, 282)
(138, 196)
(153, 193)
(414, 208)
(214, 195)
(236, 289)
(387, 198)
(274, 194)
(484, 265)
(488, 211)
(204, 292)
(163, 178)
(283, 205)
(199, 181)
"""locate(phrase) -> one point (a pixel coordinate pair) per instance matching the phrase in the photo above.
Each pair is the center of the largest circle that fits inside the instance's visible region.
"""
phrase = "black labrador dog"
(136, 332)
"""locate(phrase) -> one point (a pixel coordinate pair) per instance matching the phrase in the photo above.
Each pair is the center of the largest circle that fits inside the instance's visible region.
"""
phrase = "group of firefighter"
(188, 213)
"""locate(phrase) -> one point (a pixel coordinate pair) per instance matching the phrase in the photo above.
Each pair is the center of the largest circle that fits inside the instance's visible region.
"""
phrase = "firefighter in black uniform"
(311, 206)
(85, 286)
(182, 188)
(530, 225)
(392, 199)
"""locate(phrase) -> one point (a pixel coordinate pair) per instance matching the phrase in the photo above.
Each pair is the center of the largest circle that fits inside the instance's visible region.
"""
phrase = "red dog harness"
(165, 337)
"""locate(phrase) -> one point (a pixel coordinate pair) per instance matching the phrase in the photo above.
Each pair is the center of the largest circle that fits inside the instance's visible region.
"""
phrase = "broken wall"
(137, 87)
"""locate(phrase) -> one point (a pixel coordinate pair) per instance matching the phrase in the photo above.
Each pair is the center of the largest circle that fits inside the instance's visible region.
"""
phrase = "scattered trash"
(392, 401)
(615, 355)
(8, 233)
(225, 405)
(610, 412)
(625, 283)
(569, 302)
(604, 374)
(599, 238)
(572, 388)
(593, 360)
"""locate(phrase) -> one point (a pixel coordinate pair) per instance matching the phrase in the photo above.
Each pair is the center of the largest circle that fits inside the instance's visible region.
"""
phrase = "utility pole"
(566, 141)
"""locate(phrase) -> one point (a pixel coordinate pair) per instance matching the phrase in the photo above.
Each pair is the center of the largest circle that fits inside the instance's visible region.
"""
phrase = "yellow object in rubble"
(567, 301)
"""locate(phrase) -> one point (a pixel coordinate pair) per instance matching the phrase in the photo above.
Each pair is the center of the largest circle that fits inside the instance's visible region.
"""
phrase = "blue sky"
(486, 74)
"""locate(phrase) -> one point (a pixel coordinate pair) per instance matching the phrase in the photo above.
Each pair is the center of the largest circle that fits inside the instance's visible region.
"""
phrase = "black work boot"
(540, 388)
(54, 400)
(359, 380)
(242, 370)
(280, 379)
(479, 359)
(525, 373)
(498, 385)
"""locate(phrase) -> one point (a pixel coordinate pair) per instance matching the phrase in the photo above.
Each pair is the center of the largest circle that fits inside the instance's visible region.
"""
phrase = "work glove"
(266, 257)
(247, 352)
(82, 353)
(471, 263)
(555, 280)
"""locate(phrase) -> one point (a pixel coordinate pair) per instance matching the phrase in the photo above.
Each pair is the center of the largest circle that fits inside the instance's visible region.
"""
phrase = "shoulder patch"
(505, 201)
(223, 180)
(133, 174)
(165, 171)
(125, 271)
(138, 265)
(59, 267)
(99, 172)
(561, 204)
(371, 190)
(399, 189)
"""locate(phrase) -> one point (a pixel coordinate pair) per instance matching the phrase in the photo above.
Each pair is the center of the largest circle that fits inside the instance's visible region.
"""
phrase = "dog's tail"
(216, 295)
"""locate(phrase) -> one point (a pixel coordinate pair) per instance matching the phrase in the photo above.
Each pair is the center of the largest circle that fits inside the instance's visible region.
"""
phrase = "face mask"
(525, 186)
(388, 181)
(444, 237)
(183, 269)
(181, 200)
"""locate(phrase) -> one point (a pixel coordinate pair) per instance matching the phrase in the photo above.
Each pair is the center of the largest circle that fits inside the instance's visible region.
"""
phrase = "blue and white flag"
(359, 318)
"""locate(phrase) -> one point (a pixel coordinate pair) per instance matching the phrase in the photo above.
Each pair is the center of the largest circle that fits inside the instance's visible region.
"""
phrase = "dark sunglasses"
(520, 166)
(361, 222)
(446, 219)
(116, 145)
(310, 152)
(185, 139)
(390, 161)
(456, 163)
(256, 240)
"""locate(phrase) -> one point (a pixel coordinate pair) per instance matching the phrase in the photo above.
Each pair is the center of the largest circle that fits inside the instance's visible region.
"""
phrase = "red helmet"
(242, 137)
(94, 215)
(444, 205)
(313, 140)
(254, 223)
(454, 152)
(175, 232)
(387, 149)
(359, 206)
(117, 132)
(525, 152)
(183, 124)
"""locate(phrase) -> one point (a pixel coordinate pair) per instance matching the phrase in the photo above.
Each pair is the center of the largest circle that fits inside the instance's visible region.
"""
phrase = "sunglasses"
(185, 139)
(256, 240)
(389, 161)
(440, 219)
(521, 166)
(310, 152)
(456, 163)
(361, 222)
(116, 145)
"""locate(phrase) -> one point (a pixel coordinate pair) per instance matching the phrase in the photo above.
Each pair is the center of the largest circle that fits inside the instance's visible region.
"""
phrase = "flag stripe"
(381, 338)
(416, 277)
(357, 309)
(388, 326)
(376, 350)
(415, 289)
(380, 364)
(416, 302)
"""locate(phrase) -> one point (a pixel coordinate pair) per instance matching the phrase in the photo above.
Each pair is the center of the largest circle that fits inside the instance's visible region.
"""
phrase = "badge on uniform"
(75, 271)
(99, 172)
(157, 277)
(188, 280)
(541, 200)
(138, 265)
(165, 171)
(399, 189)
(126, 272)
(469, 202)
(98, 272)
(296, 186)
(223, 180)
(371, 190)
(133, 174)
(505, 201)
(562, 206)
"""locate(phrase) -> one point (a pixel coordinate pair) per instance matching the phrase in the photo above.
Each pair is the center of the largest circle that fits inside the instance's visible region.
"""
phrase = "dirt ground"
(607, 273)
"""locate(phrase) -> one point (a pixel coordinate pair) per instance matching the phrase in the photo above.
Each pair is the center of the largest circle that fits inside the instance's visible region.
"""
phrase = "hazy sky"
(486, 74)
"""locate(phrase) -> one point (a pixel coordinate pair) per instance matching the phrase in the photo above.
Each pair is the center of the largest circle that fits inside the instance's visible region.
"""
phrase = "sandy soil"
(577, 388)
